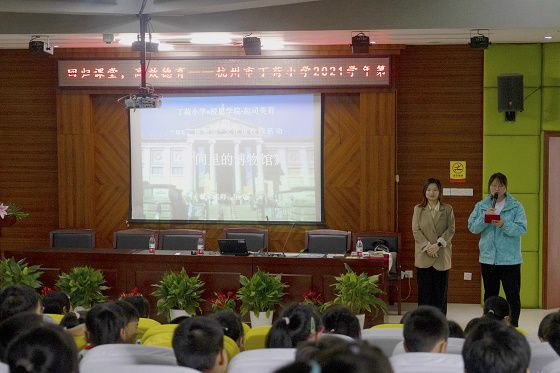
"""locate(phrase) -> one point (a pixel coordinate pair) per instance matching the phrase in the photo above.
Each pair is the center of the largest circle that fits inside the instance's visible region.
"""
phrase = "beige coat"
(427, 230)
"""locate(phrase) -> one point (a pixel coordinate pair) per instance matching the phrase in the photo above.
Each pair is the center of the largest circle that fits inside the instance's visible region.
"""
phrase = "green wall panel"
(551, 65)
(530, 240)
(527, 122)
(551, 108)
(515, 156)
(513, 58)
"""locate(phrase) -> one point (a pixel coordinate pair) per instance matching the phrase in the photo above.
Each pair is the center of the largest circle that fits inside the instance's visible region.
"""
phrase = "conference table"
(125, 269)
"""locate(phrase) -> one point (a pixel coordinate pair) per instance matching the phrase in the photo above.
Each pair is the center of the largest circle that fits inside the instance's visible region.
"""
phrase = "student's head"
(70, 320)
(425, 330)
(553, 334)
(105, 324)
(307, 351)
(340, 320)
(431, 191)
(497, 308)
(18, 298)
(455, 330)
(179, 319)
(131, 316)
(56, 302)
(297, 323)
(140, 303)
(198, 343)
(43, 349)
(15, 325)
(497, 348)
(544, 327)
(231, 323)
(473, 323)
(497, 184)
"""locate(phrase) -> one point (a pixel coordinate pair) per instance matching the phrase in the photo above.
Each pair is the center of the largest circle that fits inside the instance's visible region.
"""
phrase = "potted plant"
(259, 295)
(314, 298)
(359, 293)
(224, 300)
(84, 286)
(14, 272)
(177, 291)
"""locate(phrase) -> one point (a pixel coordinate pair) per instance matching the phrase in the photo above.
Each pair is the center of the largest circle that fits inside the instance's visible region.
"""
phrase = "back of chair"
(542, 354)
(427, 362)
(144, 324)
(180, 239)
(328, 241)
(133, 368)
(371, 239)
(133, 238)
(73, 238)
(255, 238)
(121, 353)
(159, 329)
(256, 337)
(262, 360)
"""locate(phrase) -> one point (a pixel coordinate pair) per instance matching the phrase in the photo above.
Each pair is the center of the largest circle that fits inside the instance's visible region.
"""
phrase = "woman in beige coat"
(433, 226)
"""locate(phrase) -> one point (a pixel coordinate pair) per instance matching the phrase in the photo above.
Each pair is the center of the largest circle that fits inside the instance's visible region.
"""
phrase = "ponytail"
(296, 324)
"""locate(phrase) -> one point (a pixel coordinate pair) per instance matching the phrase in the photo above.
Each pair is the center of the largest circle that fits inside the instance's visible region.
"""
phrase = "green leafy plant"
(178, 290)
(84, 286)
(261, 292)
(357, 292)
(14, 272)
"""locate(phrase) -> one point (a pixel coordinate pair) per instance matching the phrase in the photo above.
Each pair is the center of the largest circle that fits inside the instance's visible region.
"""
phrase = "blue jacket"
(499, 246)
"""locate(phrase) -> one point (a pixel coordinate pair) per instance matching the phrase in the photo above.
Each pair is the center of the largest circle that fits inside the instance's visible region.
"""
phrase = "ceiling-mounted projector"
(142, 101)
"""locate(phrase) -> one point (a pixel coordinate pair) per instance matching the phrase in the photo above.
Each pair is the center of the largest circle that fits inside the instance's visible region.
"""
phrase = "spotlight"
(150, 46)
(478, 40)
(252, 45)
(360, 43)
(108, 38)
(36, 45)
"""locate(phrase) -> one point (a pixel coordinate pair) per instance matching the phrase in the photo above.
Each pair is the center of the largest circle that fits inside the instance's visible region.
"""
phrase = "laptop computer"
(237, 247)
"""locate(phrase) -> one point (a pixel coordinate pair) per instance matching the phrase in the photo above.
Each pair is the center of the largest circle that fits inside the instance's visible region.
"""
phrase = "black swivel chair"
(256, 238)
(393, 242)
(73, 238)
(180, 239)
(134, 238)
(328, 241)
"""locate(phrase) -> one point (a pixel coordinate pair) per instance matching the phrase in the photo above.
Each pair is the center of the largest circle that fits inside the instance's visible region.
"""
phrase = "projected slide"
(227, 158)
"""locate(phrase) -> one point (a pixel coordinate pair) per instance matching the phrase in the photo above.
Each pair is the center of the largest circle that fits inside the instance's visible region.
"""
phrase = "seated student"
(297, 323)
(140, 303)
(425, 330)
(105, 324)
(231, 323)
(340, 320)
(494, 347)
(43, 349)
(553, 334)
(472, 324)
(70, 321)
(544, 327)
(18, 298)
(455, 330)
(131, 317)
(497, 308)
(15, 325)
(198, 343)
(342, 356)
(56, 302)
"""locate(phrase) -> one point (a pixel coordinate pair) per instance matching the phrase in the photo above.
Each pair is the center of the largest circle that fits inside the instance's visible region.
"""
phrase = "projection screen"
(231, 158)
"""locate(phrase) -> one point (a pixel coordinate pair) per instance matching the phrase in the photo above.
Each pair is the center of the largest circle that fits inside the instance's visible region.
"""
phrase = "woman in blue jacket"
(500, 242)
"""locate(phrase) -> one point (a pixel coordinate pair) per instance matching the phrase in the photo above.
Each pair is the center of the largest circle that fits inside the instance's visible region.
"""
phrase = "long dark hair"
(431, 180)
(296, 323)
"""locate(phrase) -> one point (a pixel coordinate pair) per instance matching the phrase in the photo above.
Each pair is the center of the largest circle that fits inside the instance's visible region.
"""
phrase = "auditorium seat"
(164, 339)
(144, 324)
(256, 337)
(261, 360)
(163, 328)
(454, 346)
(4, 368)
(180, 239)
(256, 238)
(393, 240)
(121, 354)
(144, 368)
(133, 238)
(542, 354)
(553, 367)
(328, 241)
(72, 238)
(427, 362)
(386, 339)
(231, 347)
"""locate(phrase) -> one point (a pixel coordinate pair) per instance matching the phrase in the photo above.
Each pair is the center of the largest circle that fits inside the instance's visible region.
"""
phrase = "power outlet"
(406, 274)
(467, 276)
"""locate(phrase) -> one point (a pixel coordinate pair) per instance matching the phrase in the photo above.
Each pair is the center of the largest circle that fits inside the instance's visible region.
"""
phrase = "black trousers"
(510, 276)
(432, 287)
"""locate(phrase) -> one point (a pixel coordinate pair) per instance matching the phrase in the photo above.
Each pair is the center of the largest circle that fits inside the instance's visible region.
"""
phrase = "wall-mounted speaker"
(510, 94)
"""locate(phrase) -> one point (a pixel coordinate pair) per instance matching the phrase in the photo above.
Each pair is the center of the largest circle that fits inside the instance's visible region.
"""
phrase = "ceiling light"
(548, 37)
(211, 38)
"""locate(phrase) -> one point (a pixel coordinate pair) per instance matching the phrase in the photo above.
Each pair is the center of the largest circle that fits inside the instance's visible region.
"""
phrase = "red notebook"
(488, 218)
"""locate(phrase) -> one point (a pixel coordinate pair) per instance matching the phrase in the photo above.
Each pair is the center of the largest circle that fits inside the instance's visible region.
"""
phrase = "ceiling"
(81, 23)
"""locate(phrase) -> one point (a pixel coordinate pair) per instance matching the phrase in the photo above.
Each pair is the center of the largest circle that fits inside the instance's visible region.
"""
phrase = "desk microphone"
(494, 199)
(286, 241)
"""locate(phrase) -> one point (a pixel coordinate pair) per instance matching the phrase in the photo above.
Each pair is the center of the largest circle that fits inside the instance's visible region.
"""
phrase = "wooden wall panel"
(439, 119)
(28, 160)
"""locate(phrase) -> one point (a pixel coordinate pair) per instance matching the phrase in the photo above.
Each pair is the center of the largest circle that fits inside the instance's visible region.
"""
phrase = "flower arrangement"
(46, 290)
(12, 210)
(134, 292)
(226, 300)
(314, 298)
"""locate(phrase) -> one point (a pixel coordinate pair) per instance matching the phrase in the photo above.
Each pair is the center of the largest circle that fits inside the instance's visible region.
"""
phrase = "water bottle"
(200, 246)
(152, 244)
(359, 247)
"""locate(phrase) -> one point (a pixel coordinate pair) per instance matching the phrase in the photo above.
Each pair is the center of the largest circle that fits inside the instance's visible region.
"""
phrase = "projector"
(40, 46)
(479, 42)
(142, 102)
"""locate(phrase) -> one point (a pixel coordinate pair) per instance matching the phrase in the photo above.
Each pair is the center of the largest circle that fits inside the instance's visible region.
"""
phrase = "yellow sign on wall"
(458, 171)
